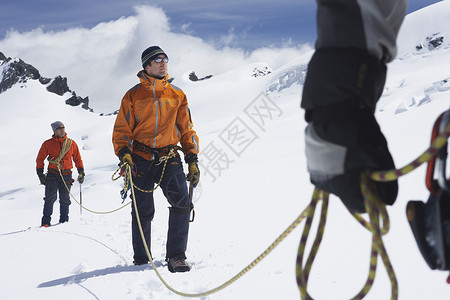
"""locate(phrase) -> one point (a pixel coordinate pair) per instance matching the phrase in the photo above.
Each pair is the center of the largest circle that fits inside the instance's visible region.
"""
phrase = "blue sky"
(253, 23)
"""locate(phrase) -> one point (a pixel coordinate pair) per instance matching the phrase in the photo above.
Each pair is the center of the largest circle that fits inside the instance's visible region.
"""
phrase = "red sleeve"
(77, 156)
(42, 155)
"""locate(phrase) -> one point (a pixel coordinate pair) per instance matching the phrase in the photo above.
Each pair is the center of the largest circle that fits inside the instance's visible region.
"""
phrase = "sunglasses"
(61, 127)
(160, 59)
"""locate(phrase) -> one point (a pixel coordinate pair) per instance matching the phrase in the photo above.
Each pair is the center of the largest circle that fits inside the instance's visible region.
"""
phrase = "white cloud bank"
(101, 62)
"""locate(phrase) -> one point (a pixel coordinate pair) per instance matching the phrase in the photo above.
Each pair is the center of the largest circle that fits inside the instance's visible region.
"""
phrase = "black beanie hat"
(150, 53)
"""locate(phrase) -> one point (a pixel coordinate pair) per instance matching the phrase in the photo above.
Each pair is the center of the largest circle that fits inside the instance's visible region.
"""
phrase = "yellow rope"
(376, 210)
(90, 210)
(439, 142)
(266, 252)
(302, 274)
(64, 149)
(164, 158)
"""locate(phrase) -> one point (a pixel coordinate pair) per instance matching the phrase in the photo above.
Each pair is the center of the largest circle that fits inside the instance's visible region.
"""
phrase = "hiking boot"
(139, 262)
(178, 265)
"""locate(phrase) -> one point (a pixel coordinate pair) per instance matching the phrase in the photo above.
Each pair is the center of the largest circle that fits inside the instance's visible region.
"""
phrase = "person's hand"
(342, 141)
(81, 175)
(127, 159)
(42, 178)
(194, 174)
(41, 175)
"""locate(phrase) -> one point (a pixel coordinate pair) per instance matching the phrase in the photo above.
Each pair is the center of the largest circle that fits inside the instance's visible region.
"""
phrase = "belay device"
(430, 221)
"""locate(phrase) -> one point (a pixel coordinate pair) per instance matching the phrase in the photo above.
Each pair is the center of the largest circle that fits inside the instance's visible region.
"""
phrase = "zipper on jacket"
(157, 113)
(62, 158)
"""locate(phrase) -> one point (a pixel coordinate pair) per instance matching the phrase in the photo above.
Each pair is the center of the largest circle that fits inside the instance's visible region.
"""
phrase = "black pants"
(174, 187)
(54, 185)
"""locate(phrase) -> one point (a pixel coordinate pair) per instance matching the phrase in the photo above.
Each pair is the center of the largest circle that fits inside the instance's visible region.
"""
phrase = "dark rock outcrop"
(13, 71)
(193, 77)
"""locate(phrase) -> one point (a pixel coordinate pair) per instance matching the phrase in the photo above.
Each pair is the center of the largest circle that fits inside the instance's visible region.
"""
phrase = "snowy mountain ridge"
(16, 71)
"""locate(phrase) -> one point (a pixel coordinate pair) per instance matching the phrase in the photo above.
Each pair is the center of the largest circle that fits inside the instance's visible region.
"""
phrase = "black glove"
(342, 141)
(81, 175)
(41, 175)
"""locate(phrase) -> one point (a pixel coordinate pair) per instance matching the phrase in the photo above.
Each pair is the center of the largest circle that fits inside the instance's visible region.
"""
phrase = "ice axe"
(191, 195)
(81, 201)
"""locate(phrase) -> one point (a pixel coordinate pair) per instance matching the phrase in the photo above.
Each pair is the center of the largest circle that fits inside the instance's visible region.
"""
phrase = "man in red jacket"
(59, 150)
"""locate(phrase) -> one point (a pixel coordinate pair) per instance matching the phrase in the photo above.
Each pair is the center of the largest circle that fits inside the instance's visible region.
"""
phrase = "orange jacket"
(154, 113)
(52, 147)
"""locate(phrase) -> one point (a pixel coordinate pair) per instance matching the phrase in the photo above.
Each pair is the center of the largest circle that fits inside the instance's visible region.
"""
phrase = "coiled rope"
(376, 210)
(64, 149)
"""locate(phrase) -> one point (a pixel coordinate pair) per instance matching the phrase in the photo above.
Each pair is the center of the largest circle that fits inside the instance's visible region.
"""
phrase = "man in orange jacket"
(153, 118)
(60, 150)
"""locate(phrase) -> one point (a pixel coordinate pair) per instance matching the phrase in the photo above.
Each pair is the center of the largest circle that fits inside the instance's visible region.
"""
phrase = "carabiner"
(441, 156)
(433, 185)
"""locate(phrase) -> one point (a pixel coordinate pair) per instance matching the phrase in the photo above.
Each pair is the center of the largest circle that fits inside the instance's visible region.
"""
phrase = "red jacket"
(154, 113)
(52, 147)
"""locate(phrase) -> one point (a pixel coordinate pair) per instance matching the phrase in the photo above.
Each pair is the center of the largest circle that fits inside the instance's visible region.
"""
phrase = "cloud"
(102, 62)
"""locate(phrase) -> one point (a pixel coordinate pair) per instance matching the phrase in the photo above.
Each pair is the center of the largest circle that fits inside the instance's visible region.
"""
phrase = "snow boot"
(45, 221)
(64, 213)
(178, 264)
(138, 262)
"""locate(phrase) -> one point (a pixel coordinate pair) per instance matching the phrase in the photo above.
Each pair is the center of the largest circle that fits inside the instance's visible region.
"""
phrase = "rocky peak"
(194, 77)
(263, 71)
(431, 42)
(13, 71)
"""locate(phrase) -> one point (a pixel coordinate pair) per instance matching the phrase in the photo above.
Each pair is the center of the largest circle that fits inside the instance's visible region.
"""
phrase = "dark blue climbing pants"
(54, 185)
(174, 187)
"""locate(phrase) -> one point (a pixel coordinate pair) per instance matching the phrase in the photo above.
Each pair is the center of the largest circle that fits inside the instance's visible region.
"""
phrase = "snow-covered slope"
(240, 208)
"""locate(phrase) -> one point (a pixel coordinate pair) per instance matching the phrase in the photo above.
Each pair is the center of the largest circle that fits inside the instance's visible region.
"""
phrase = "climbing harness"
(81, 201)
(171, 152)
(191, 205)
